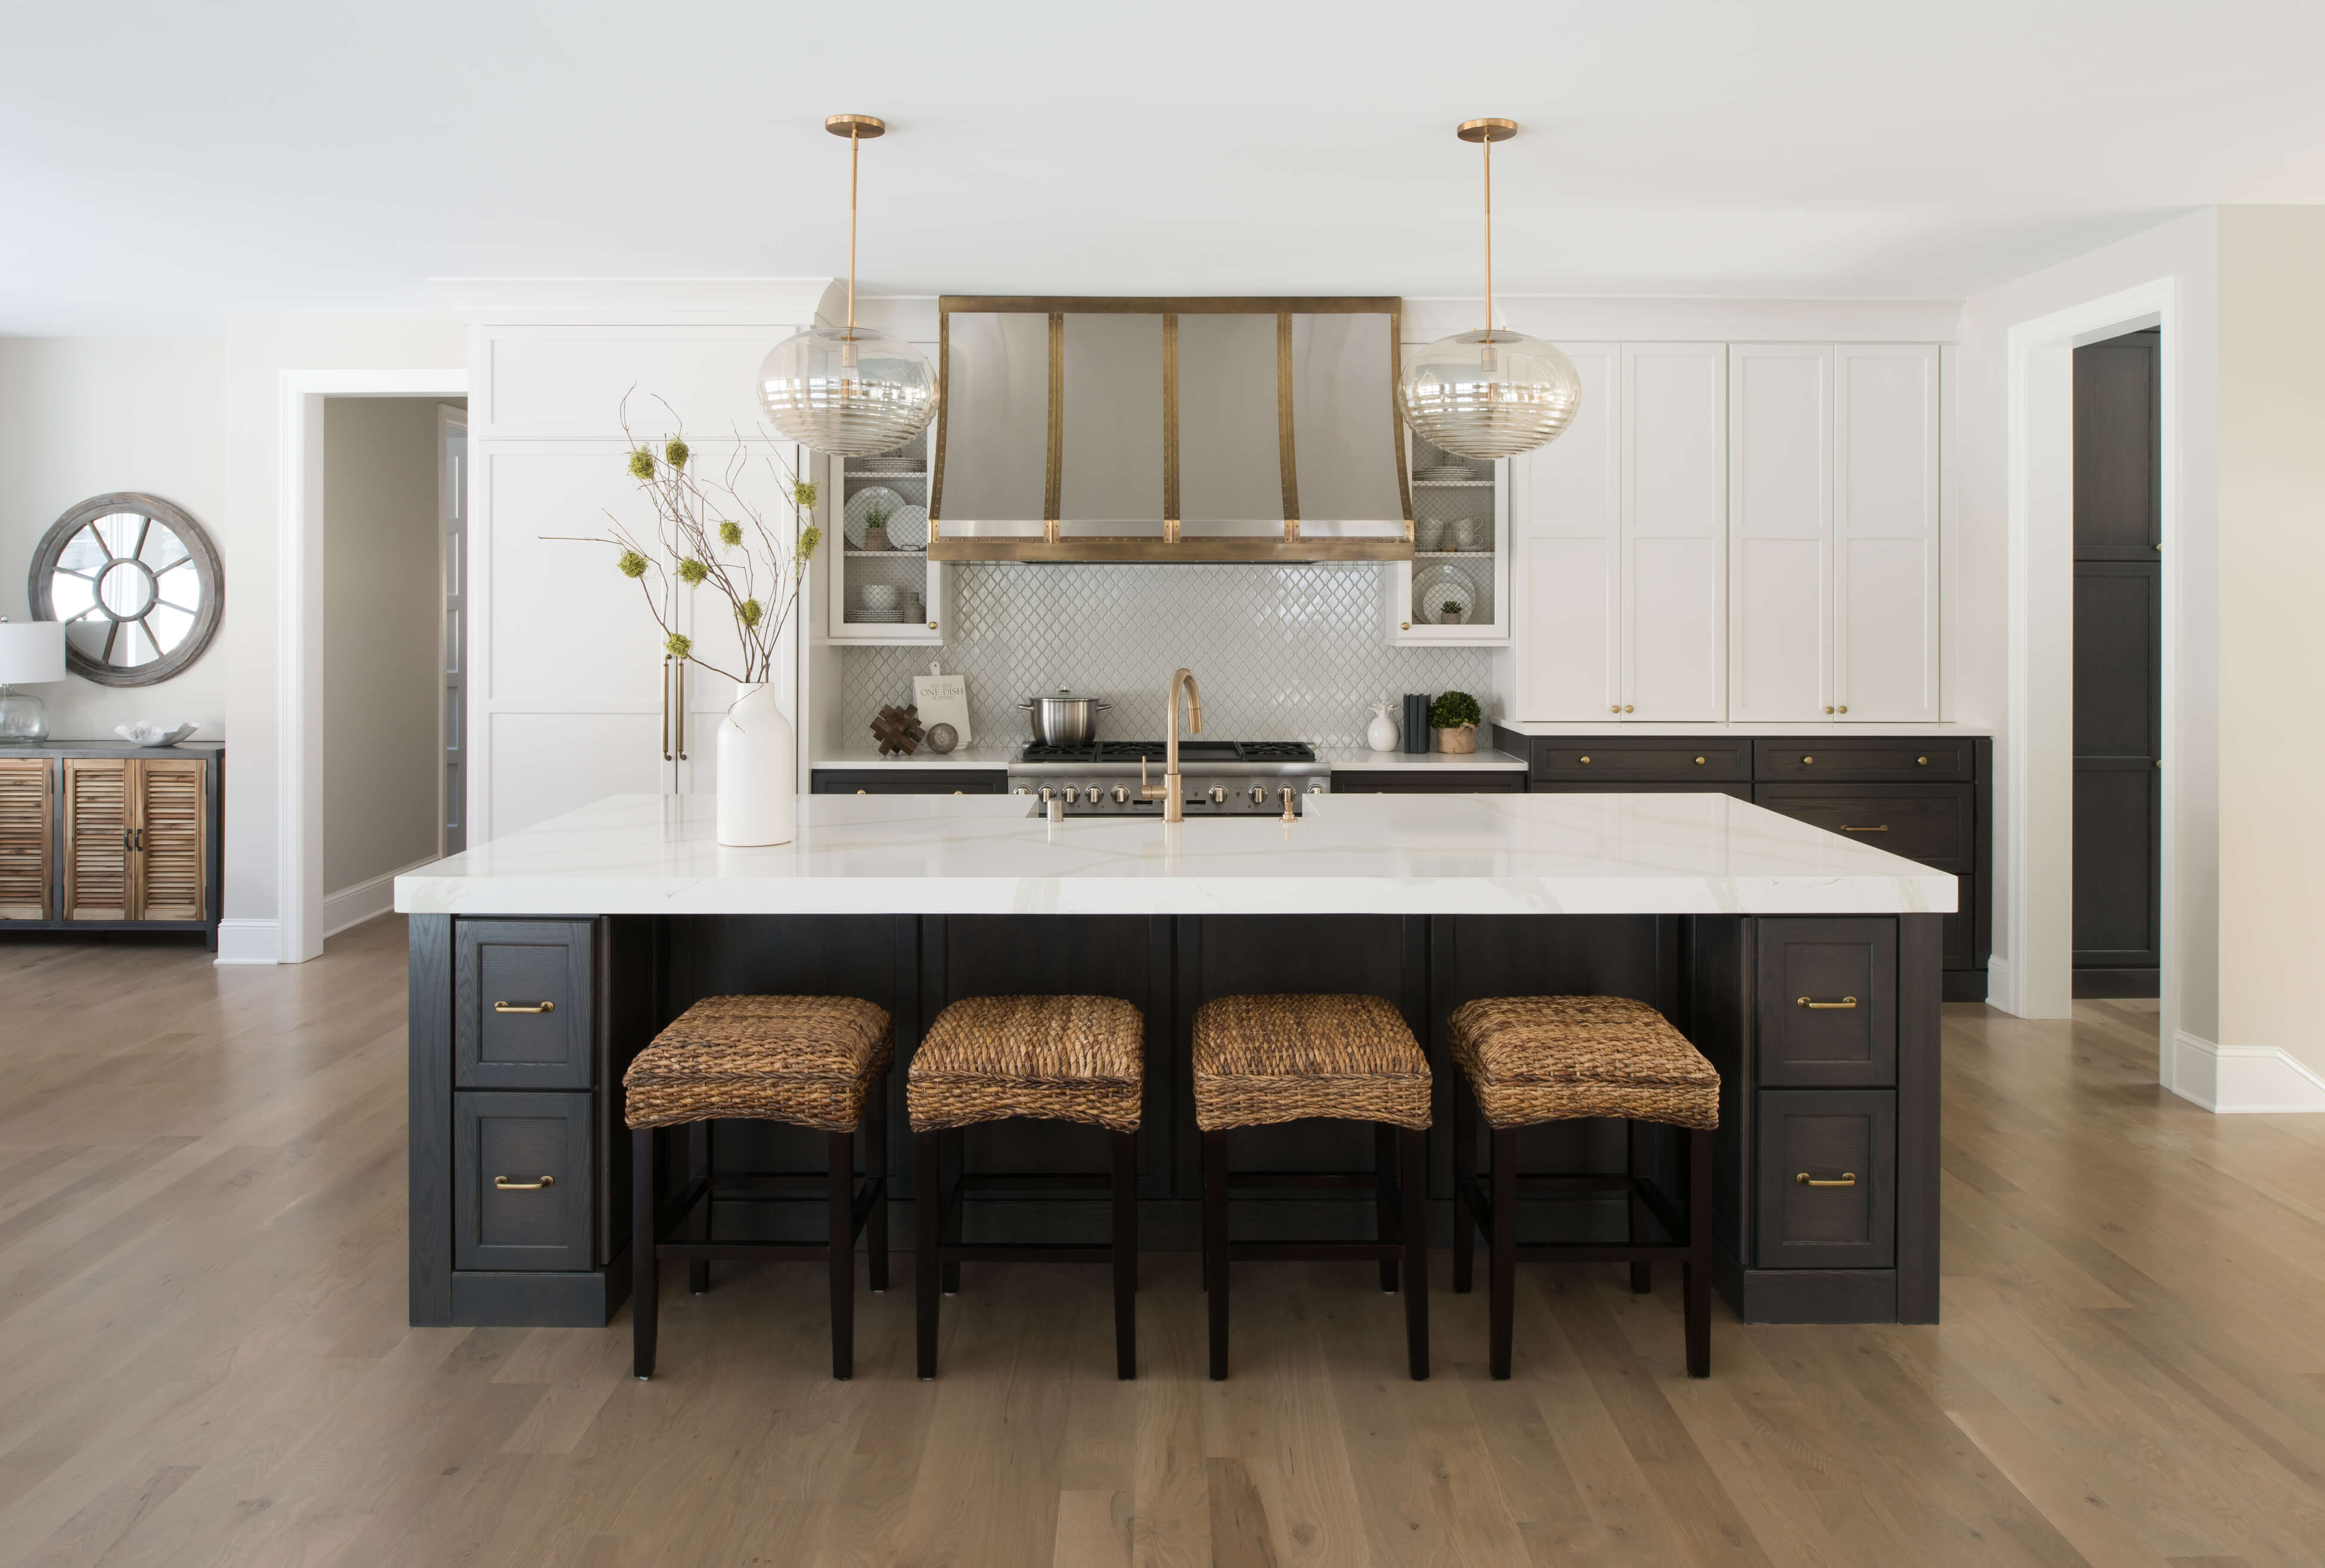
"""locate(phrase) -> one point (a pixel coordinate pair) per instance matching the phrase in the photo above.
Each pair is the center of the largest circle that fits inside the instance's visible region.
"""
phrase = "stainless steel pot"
(1062, 718)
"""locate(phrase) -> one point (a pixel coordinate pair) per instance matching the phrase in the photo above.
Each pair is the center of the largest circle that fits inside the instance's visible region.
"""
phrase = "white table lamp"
(29, 652)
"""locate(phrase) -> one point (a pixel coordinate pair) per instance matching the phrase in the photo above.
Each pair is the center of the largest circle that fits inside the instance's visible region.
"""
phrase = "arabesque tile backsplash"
(1281, 652)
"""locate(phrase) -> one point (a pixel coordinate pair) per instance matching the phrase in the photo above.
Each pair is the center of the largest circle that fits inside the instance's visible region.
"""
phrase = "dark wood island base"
(1824, 1029)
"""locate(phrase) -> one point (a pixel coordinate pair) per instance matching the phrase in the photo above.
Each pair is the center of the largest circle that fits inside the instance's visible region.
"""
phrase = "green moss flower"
(730, 534)
(675, 452)
(808, 539)
(805, 493)
(641, 464)
(748, 613)
(631, 563)
(678, 647)
(692, 572)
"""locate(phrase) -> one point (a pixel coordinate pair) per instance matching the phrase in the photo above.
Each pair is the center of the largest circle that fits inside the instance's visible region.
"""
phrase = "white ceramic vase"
(1381, 733)
(757, 781)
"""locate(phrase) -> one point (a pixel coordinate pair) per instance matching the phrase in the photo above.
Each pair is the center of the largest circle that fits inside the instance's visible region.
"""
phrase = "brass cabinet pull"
(1627, 707)
(682, 710)
(525, 1007)
(665, 710)
(1807, 760)
(1924, 761)
(1586, 762)
(1845, 1001)
(1615, 709)
(1883, 828)
(506, 1185)
(1847, 1179)
(1698, 762)
(1844, 707)
(1828, 707)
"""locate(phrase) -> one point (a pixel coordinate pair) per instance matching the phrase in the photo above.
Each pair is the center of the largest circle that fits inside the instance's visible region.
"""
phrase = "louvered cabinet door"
(100, 809)
(24, 838)
(170, 854)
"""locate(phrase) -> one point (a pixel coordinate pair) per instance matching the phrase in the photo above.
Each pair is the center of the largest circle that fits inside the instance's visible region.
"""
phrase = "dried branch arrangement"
(706, 532)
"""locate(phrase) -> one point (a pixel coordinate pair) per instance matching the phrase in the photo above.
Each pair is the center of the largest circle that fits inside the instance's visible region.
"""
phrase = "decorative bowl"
(146, 733)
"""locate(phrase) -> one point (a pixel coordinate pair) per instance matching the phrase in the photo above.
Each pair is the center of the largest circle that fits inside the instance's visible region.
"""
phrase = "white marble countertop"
(1359, 759)
(1402, 854)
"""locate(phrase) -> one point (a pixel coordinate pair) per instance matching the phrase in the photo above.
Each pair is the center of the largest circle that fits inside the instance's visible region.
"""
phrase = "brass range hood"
(1246, 430)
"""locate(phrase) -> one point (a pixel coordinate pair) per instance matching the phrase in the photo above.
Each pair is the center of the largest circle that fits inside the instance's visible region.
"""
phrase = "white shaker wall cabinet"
(1780, 476)
(569, 698)
(1567, 526)
(1674, 400)
(1884, 549)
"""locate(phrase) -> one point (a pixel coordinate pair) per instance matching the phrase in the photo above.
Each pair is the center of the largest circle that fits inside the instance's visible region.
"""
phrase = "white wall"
(381, 666)
(258, 350)
(2271, 658)
(1977, 620)
(82, 416)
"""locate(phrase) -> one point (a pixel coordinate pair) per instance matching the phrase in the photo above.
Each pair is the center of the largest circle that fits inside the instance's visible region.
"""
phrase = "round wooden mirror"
(136, 582)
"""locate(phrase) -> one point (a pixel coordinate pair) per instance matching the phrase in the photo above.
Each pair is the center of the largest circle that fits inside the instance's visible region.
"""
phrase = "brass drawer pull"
(1847, 1179)
(1845, 1002)
(1883, 828)
(525, 1007)
(1586, 762)
(1807, 760)
(506, 1185)
(1698, 762)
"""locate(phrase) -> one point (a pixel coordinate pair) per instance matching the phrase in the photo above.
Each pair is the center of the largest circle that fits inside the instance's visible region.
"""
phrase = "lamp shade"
(32, 651)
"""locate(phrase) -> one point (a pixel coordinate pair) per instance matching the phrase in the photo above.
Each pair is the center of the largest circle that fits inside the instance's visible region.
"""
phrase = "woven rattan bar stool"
(1056, 1058)
(812, 1061)
(1260, 1060)
(1526, 1060)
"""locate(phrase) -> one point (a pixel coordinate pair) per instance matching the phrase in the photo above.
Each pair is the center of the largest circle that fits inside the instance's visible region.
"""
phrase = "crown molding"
(636, 302)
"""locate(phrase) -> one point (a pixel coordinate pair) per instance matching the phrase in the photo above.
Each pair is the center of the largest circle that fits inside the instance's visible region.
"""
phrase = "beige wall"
(81, 416)
(2185, 250)
(2271, 839)
(382, 617)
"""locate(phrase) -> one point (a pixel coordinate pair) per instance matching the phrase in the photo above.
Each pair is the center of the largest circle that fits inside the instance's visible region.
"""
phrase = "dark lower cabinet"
(1827, 1178)
(524, 1180)
(1428, 781)
(916, 779)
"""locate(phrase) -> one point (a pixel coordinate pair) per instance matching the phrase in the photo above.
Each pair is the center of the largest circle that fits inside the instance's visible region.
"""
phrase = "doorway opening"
(2118, 677)
(394, 648)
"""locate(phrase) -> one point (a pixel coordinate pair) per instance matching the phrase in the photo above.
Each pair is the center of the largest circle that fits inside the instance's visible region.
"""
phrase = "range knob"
(1120, 794)
(1048, 794)
(1219, 796)
(1019, 791)
(1258, 795)
(1315, 787)
(1070, 794)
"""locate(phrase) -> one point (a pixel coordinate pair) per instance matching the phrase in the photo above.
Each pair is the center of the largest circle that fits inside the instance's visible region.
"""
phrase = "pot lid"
(1062, 694)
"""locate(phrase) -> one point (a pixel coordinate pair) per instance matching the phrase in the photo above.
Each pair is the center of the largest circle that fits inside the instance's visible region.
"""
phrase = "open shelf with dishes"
(882, 588)
(1456, 588)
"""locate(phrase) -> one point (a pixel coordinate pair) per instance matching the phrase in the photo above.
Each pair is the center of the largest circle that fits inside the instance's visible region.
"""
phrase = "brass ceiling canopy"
(1486, 130)
(864, 127)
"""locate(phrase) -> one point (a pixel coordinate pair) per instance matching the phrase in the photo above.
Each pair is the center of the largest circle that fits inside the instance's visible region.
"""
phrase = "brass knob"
(1844, 707)
(1806, 760)
(1627, 707)
(864, 792)
(1828, 707)
(1615, 709)
(1404, 626)
(933, 625)
(1924, 761)
(960, 792)
(1586, 762)
(1698, 762)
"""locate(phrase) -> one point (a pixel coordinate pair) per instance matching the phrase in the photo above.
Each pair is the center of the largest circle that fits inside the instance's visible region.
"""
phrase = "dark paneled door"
(2118, 661)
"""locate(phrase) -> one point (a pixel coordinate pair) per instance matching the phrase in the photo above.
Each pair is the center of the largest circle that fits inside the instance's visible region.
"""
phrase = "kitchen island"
(541, 962)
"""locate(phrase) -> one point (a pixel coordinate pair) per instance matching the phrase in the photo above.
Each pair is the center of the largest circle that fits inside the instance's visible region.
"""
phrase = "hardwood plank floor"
(203, 1357)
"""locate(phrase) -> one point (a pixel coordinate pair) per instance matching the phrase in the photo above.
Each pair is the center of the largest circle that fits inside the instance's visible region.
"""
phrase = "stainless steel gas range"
(1221, 777)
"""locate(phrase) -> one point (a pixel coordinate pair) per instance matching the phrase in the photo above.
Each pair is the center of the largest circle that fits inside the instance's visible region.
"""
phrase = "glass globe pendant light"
(848, 391)
(1490, 393)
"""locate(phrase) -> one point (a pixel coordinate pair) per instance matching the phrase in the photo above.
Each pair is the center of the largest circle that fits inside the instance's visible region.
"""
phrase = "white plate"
(909, 528)
(1432, 587)
(859, 511)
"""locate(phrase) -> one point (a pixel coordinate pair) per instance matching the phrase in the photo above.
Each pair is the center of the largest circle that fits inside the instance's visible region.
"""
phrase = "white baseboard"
(1999, 991)
(250, 942)
(2236, 1080)
(366, 900)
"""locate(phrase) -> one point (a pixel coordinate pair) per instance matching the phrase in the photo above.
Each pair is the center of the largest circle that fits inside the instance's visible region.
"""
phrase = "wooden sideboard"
(101, 836)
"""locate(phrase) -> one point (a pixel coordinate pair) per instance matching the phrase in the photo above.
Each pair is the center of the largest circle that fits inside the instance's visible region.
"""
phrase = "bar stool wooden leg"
(875, 1169)
(1215, 1245)
(1384, 1177)
(1640, 1136)
(1126, 1255)
(698, 1144)
(1695, 1155)
(1413, 1230)
(645, 1269)
(840, 1152)
(928, 1222)
(1465, 1168)
(956, 1159)
(1502, 1312)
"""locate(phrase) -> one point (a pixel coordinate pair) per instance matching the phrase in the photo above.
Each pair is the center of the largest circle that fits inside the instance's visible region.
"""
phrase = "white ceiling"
(164, 161)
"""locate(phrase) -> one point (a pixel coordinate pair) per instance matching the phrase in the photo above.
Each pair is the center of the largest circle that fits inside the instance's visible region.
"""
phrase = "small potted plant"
(1453, 721)
(1452, 614)
(876, 528)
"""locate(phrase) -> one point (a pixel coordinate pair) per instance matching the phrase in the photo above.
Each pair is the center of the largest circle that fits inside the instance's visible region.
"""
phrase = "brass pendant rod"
(1486, 142)
(855, 144)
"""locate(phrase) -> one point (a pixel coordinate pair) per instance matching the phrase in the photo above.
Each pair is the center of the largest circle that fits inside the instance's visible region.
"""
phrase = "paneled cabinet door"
(100, 812)
(170, 854)
(24, 838)
(1780, 531)
(1885, 552)
(1566, 510)
(1674, 539)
